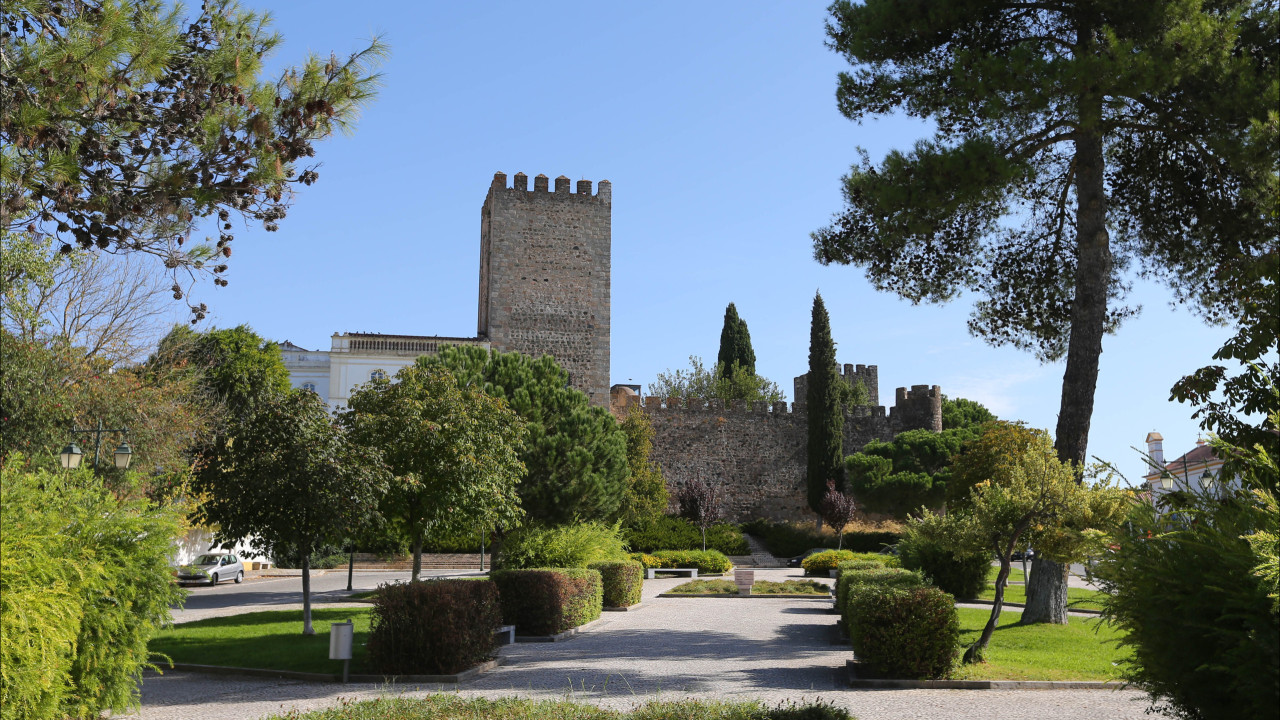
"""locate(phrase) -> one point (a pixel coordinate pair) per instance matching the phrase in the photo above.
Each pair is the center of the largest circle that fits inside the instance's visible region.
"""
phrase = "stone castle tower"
(544, 275)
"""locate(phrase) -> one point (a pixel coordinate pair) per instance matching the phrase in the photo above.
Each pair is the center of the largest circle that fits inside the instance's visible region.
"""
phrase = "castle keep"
(544, 275)
(544, 289)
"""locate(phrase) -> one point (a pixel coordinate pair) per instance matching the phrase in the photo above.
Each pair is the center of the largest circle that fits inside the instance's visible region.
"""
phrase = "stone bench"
(649, 572)
(509, 633)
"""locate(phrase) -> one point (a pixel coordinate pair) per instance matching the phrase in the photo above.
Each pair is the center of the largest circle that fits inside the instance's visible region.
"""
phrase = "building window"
(377, 375)
(309, 386)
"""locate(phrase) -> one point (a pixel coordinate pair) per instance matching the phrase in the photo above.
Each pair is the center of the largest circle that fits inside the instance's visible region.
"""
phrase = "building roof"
(1203, 453)
(286, 345)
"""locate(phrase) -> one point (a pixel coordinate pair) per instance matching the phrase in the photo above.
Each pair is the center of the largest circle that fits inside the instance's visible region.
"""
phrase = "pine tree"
(826, 419)
(735, 344)
(1075, 141)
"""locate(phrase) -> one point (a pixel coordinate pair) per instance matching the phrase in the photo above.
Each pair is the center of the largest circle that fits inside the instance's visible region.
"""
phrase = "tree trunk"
(704, 539)
(975, 651)
(417, 556)
(1047, 587)
(307, 629)
(1046, 593)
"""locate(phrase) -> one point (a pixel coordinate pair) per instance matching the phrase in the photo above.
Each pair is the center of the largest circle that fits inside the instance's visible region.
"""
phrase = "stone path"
(768, 650)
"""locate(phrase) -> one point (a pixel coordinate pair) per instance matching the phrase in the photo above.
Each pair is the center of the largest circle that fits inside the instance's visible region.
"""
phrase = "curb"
(870, 684)
(464, 676)
(624, 608)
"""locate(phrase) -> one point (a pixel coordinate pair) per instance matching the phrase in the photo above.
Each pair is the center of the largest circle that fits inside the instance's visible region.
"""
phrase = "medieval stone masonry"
(757, 452)
(544, 275)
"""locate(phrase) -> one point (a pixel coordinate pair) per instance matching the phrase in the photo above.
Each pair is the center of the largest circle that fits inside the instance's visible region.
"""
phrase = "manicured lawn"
(1077, 598)
(1084, 649)
(761, 587)
(452, 707)
(271, 640)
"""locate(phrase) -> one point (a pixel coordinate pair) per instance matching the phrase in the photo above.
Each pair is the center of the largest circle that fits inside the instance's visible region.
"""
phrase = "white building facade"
(1197, 471)
(356, 358)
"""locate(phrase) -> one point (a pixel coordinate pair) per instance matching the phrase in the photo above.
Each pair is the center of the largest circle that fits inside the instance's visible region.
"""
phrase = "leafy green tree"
(962, 413)
(453, 452)
(824, 411)
(647, 496)
(735, 343)
(238, 368)
(125, 125)
(289, 476)
(1074, 141)
(575, 455)
(1032, 497)
(46, 387)
(85, 582)
(719, 383)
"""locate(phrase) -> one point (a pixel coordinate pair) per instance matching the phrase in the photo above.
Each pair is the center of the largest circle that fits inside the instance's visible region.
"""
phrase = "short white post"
(341, 638)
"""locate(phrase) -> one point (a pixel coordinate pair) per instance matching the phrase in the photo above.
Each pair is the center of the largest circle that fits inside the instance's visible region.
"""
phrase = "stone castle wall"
(544, 275)
(757, 452)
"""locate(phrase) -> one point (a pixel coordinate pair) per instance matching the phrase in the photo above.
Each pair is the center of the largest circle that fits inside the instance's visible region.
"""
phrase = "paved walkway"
(768, 650)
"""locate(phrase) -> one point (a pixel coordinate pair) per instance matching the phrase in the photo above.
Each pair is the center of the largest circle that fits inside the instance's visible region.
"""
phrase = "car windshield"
(208, 560)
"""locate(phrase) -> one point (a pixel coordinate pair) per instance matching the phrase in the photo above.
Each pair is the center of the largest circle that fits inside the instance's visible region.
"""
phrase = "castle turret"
(544, 275)
(919, 408)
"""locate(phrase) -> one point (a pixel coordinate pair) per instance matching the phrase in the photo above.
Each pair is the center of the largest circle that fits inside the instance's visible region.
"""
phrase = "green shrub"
(562, 546)
(856, 577)
(1203, 635)
(786, 540)
(647, 561)
(923, 548)
(621, 582)
(548, 601)
(670, 532)
(84, 583)
(903, 632)
(824, 562)
(709, 562)
(437, 627)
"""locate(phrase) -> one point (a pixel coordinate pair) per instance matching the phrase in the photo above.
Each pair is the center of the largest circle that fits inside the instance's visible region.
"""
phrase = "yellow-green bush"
(84, 583)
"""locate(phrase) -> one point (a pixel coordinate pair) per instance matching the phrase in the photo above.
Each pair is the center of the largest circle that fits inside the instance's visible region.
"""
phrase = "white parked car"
(212, 568)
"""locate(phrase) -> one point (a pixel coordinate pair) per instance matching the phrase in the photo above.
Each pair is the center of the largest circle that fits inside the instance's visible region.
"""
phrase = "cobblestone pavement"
(768, 650)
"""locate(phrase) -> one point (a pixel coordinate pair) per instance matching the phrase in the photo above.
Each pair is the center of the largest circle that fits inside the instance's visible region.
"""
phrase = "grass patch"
(1084, 649)
(761, 587)
(271, 640)
(1077, 598)
(452, 707)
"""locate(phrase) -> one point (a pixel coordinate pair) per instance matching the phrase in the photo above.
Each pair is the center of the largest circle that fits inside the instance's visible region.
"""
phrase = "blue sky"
(717, 125)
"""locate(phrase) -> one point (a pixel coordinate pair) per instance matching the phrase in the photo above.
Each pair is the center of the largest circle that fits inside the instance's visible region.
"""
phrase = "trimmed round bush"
(546, 601)
(436, 627)
(621, 581)
(904, 632)
(708, 562)
(964, 576)
(822, 563)
(855, 577)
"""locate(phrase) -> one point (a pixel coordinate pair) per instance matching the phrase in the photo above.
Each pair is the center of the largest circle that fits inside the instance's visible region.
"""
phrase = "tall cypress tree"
(735, 343)
(826, 422)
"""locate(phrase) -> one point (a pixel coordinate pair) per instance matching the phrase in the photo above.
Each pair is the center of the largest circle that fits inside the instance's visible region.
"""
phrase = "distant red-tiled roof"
(1201, 454)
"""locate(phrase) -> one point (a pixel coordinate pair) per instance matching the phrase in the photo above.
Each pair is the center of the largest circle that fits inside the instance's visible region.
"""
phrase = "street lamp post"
(71, 454)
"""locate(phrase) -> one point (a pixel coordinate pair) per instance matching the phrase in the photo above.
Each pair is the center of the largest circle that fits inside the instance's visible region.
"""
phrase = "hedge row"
(676, 533)
(549, 601)
(462, 615)
(708, 562)
(622, 582)
(789, 540)
(900, 626)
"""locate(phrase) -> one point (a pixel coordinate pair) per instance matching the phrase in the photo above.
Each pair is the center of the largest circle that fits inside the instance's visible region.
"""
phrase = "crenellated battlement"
(655, 404)
(542, 184)
(868, 375)
(919, 408)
